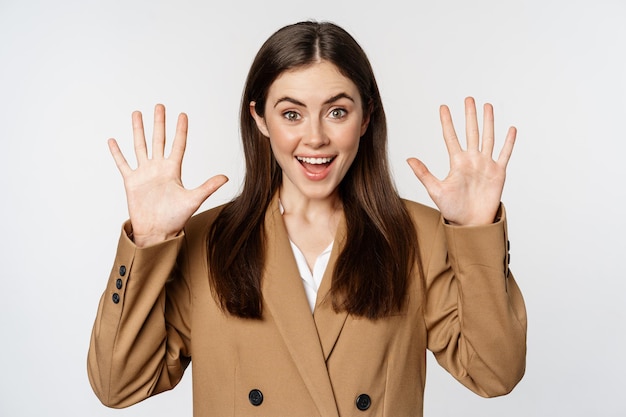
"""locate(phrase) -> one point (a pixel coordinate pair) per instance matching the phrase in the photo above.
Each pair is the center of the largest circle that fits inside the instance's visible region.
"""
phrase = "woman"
(318, 220)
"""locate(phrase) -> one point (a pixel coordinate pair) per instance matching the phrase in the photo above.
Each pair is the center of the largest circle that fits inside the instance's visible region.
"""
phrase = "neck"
(309, 208)
(311, 223)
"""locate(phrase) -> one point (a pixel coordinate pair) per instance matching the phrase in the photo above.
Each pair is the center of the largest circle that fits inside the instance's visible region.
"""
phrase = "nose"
(315, 136)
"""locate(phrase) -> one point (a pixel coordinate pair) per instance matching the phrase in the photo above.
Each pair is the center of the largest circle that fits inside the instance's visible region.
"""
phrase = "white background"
(71, 73)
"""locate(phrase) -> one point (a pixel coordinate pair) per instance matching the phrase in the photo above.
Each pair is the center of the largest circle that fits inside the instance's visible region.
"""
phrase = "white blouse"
(311, 279)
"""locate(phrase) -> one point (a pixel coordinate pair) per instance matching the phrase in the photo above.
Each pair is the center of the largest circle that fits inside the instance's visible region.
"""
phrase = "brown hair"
(371, 274)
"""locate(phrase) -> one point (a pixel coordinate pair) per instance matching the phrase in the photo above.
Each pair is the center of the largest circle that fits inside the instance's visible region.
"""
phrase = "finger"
(488, 135)
(158, 133)
(139, 138)
(449, 134)
(180, 139)
(507, 148)
(471, 124)
(118, 157)
(423, 174)
(209, 187)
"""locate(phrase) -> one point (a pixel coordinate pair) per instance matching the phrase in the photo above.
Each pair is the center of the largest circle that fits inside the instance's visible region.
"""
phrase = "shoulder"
(422, 215)
(418, 209)
(428, 225)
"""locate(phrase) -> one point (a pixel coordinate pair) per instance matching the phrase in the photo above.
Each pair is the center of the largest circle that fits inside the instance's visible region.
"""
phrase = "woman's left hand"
(470, 194)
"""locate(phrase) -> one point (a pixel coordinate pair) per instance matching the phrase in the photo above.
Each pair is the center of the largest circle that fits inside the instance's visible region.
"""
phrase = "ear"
(260, 121)
(366, 120)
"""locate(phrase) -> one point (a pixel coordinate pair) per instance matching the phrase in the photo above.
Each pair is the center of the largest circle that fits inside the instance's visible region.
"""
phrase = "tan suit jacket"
(157, 313)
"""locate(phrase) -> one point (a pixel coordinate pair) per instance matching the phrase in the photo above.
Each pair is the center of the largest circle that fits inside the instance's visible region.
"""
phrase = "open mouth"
(315, 165)
(314, 161)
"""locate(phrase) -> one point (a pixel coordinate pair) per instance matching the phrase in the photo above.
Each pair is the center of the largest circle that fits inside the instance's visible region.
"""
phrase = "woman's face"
(314, 120)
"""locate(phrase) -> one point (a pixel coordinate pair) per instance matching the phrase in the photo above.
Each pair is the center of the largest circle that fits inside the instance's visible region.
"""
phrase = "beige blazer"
(157, 313)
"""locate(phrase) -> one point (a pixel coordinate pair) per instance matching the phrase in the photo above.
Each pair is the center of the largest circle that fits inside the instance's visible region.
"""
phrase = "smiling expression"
(314, 120)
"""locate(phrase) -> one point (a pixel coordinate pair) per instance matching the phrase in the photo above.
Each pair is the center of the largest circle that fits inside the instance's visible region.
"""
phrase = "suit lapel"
(284, 295)
(328, 322)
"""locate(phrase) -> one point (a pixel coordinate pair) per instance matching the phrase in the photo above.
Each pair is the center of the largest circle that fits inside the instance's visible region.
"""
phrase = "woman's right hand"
(158, 204)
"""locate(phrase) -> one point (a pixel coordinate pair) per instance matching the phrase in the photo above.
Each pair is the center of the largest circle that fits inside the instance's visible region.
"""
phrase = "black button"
(122, 270)
(508, 258)
(363, 402)
(508, 245)
(256, 397)
(118, 284)
(116, 298)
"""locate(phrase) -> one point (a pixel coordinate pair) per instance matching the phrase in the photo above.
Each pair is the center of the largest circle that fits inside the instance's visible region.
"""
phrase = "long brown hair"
(371, 274)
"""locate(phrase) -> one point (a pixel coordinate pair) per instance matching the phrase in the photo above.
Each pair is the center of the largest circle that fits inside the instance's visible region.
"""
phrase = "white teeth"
(314, 161)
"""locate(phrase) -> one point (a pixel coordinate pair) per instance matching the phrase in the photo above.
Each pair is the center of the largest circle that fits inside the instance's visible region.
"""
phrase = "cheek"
(281, 140)
(350, 137)
(283, 137)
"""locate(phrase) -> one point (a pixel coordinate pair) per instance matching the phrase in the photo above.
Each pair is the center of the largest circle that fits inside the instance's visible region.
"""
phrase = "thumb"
(422, 173)
(209, 187)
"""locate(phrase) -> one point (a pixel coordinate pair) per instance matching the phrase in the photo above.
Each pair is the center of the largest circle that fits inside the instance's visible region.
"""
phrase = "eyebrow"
(299, 103)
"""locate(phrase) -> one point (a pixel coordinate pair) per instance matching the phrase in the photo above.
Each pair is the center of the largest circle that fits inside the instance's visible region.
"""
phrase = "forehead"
(318, 81)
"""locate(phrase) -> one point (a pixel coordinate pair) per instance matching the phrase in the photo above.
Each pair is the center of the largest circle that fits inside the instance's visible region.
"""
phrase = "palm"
(471, 193)
(158, 204)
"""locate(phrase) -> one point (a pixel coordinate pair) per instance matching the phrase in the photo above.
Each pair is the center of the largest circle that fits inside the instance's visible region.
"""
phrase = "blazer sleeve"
(140, 339)
(474, 310)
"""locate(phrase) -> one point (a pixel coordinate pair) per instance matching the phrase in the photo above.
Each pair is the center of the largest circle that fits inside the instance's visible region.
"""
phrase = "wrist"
(142, 240)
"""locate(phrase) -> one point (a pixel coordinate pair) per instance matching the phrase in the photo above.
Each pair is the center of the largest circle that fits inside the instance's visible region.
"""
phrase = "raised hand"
(158, 203)
(470, 194)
